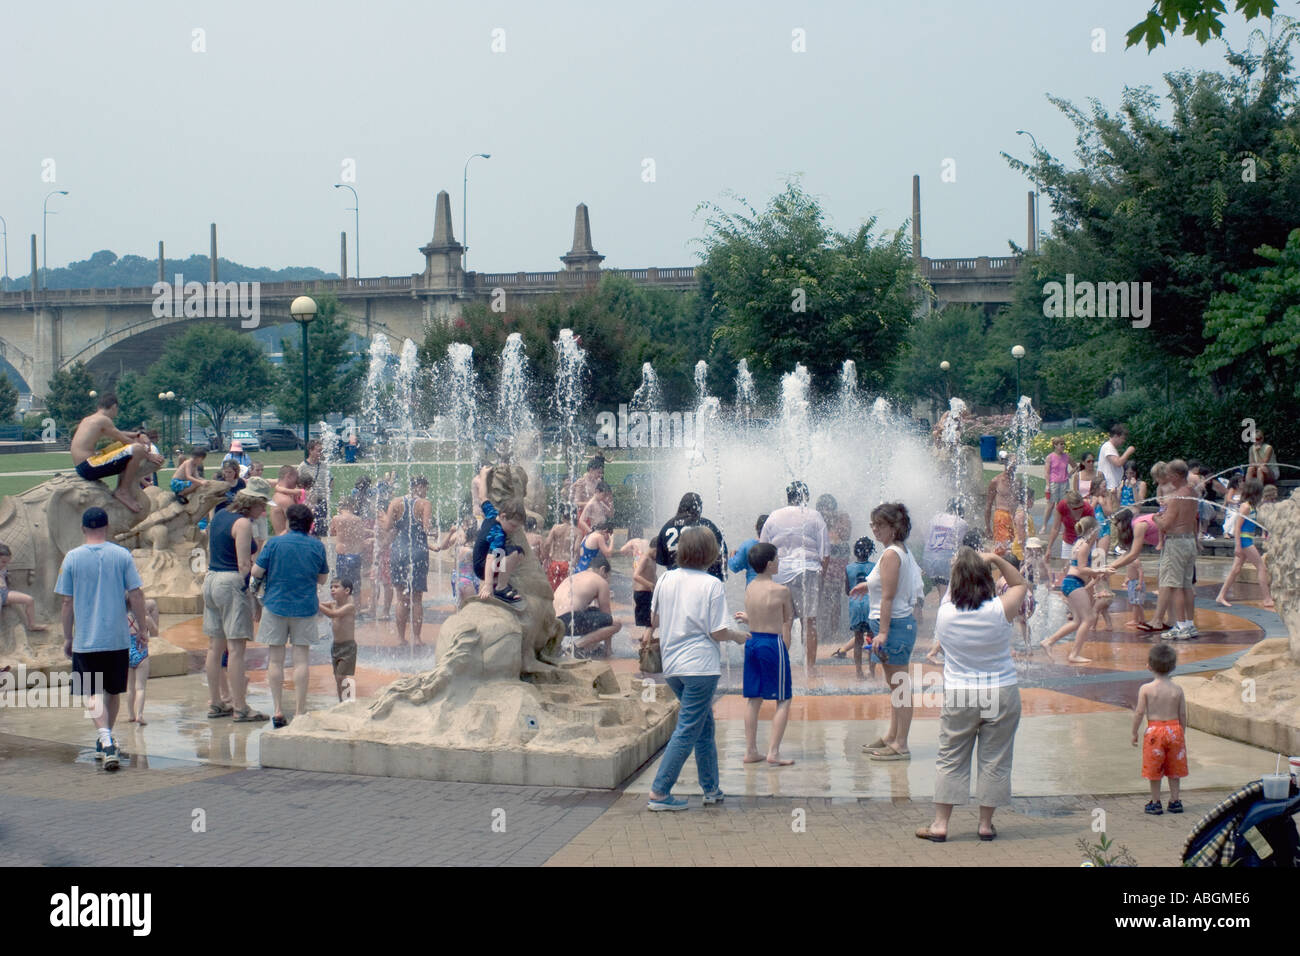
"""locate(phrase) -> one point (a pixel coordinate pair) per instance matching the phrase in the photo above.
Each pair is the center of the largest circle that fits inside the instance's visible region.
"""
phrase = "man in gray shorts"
(294, 565)
(1178, 556)
(799, 534)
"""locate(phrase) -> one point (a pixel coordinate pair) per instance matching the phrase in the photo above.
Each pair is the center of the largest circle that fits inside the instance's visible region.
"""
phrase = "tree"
(784, 289)
(1199, 17)
(217, 369)
(135, 402)
(8, 399)
(69, 399)
(335, 375)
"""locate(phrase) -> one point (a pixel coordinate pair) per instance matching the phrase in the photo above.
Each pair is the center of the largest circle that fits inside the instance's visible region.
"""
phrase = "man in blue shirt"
(98, 581)
(293, 565)
(740, 560)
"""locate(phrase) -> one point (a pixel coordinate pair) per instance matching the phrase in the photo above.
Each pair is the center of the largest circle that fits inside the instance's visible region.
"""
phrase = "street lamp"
(303, 310)
(944, 366)
(356, 223)
(1037, 221)
(464, 208)
(1017, 353)
(45, 248)
(167, 401)
(4, 234)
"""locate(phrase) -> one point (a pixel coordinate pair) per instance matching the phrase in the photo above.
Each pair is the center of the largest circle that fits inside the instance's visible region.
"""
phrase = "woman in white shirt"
(892, 589)
(689, 611)
(981, 699)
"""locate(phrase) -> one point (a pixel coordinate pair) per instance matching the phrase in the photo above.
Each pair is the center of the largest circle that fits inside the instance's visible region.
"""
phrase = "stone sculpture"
(497, 701)
(1257, 700)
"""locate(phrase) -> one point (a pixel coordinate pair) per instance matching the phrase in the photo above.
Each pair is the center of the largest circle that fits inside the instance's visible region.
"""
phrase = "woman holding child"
(981, 703)
(893, 588)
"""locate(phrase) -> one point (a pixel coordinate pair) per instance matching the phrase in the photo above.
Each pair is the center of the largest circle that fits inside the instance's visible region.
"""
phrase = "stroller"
(1247, 830)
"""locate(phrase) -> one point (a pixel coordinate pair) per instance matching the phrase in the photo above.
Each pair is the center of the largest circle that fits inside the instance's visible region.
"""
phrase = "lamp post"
(303, 310)
(1037, 221)
(167, 401)
(464, 208)
(45, 234)
(944, 367)
(356, 222)
(1018, 353)
(4, 234)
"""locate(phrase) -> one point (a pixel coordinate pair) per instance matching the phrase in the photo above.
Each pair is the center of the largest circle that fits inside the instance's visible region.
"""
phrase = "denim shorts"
(901, 640)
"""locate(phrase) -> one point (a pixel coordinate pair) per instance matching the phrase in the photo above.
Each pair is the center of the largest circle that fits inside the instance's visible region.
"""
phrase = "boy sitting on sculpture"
(125, 457)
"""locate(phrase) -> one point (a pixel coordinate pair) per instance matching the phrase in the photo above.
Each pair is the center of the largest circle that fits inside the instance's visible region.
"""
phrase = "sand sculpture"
(499, 707)
(1257, 700)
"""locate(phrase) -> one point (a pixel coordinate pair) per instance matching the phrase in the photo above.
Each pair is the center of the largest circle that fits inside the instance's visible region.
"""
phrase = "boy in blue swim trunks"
(495, 558)
(769, 612)
(859, 607)
(189, 474)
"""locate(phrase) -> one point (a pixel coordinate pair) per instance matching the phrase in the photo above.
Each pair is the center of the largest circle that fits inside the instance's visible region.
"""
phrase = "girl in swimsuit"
(464, 583)
(1251, 493)
(1077, 595)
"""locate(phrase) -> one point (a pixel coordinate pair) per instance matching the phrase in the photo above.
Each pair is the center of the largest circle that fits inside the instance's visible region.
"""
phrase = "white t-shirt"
(691, 605)
(799, 535)
(909, 585)
(1114, 474)
(976, 646)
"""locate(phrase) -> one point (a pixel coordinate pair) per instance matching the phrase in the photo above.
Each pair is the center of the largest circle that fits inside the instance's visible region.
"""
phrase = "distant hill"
(105, 270)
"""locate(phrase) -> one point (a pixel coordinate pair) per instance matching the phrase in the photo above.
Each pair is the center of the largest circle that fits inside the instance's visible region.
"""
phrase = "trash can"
(988, 447)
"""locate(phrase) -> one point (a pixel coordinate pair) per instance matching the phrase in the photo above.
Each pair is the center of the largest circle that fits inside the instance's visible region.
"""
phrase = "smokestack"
(1033, 226)
(33, 267)
(212, 255)
(343, 256)
(916, 217)
(162, 263)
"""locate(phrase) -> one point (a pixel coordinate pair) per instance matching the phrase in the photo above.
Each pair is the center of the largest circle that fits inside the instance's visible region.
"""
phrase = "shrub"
(1121, 407)
(1211, 429)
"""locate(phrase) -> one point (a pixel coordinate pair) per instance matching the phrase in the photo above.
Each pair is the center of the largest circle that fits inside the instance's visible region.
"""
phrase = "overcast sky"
(155, 140)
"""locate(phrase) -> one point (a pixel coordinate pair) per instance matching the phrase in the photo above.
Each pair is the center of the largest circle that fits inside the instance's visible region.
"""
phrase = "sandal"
(841, 654)
(215, 712)
(248, 716)
(877, 744)
(508, 595)
(988, 837)
(889, 753)
(925, 834)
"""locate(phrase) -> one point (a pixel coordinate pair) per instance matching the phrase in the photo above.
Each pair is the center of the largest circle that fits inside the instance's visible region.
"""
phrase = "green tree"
(1199, 17)
(8, 399)
(217, 369)
(136, 403)
(783, 288)
(334, 373)
(69, 399)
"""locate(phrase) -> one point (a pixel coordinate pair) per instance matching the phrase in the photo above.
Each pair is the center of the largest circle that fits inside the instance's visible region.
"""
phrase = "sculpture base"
(1256, 701)
(576, 726)
(165, 660)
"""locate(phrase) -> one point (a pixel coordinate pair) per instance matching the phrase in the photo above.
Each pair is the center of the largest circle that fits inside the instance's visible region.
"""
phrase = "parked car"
(278, 439)
(248, 439)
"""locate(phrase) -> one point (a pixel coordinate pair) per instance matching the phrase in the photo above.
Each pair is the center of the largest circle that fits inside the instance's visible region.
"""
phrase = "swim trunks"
(584, 622)
(556, 572)
(1003, 532)
(767, 668)
(642, 613)
(1164, 750)
(111, 461)
(343, 655)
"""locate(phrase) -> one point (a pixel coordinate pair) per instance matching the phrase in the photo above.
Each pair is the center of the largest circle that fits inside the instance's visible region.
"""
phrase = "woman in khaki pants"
(981, 703)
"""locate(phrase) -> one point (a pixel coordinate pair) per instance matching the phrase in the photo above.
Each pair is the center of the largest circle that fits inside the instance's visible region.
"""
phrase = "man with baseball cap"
(98, 581)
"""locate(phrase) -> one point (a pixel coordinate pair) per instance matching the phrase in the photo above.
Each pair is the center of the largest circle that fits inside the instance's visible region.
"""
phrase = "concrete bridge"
(111, 330)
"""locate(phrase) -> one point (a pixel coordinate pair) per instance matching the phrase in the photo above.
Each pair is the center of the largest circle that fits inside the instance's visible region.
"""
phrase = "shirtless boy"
(342, 612)
(560, 547)
(1164, 746)
(351, 540)
(1000, 506)
(125, 459)
(769, 612)
(286, 494)
(582, 605)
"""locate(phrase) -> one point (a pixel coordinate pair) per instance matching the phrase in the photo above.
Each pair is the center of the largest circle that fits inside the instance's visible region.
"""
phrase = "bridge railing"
(979, 267)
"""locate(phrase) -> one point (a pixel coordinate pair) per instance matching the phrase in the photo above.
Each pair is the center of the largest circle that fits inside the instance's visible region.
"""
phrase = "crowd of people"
(267, 558)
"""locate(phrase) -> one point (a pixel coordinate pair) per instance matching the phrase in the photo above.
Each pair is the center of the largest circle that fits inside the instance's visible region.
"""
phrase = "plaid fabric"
(1223, 819)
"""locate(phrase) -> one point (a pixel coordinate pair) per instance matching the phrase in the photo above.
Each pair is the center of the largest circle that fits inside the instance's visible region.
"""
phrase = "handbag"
(651, 660)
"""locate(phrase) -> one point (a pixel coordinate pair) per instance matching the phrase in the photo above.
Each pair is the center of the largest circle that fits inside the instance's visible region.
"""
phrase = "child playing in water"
(305, 483)
(343, 651)
(189, 474)
(137, 677)
(739, 560)
(598, 542)
(1164, 746)
(534, 539)
(644, 575)
(286, 494)
(464, 584)
(559, 547)
(855, 573)
(1102, 595)
(769, 612)
(10, 597)
(597, 511)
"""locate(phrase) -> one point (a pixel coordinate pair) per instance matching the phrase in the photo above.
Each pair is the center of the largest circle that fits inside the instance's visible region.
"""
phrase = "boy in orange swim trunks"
(1164, 748)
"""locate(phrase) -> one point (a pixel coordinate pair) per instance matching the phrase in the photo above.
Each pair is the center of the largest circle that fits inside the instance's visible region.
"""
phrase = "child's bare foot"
(127, 499)
(1219, 600)
(779, 761)
(1079, 660)
(753, 757)
(141, 721)
(130, 720)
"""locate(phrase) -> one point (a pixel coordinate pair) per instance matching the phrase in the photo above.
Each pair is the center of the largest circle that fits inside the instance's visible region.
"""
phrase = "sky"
(161, 117)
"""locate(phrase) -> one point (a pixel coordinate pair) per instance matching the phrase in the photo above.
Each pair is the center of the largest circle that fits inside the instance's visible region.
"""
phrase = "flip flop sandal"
(925, 834)
(215, 712)
(989, 837)
(877, 744)
(890, 754)
(840, 654)
(248, 716)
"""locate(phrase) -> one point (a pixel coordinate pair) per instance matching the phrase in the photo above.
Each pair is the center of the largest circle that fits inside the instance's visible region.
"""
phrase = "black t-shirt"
(666, 553)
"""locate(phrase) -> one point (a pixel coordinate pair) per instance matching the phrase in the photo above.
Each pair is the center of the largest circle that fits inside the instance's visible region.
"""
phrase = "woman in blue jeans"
(689, 610)
(893, 589)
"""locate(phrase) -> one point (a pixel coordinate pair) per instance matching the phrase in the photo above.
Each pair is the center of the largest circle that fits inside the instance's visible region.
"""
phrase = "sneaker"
(1174, 634)
(711, 798)
(1207, 537)
(1175, 806)
(111, 761)
(1153, 808)
(667, 803)
(99, 749)
(1190, 632)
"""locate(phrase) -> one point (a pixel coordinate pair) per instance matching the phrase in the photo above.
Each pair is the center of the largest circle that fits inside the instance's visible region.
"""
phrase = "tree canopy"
(1199, 18)
(334, 373)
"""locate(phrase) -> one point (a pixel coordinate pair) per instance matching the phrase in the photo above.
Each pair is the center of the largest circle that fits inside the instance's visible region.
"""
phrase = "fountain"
(649, 400)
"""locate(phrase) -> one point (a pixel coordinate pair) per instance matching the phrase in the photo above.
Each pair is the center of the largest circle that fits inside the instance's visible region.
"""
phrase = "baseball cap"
(257, 488)
(1034, 543)
(94, 518)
